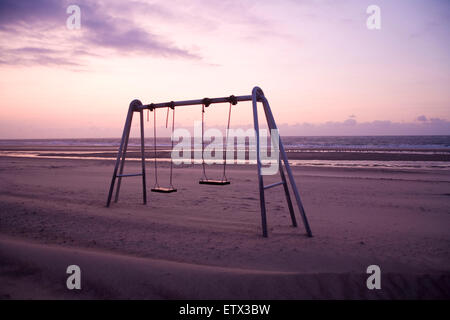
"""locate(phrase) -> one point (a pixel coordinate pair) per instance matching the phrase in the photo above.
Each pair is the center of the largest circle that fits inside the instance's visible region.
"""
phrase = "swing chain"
(172, 106)
(154, 147)
(204, 177)
(171, 139)
(232, 102)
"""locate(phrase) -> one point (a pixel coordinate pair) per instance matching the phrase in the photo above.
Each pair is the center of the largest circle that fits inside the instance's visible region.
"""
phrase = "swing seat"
(214, 182)
(163, 190)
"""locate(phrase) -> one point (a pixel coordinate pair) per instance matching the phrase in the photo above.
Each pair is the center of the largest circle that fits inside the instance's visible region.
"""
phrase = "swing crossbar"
(152, 106)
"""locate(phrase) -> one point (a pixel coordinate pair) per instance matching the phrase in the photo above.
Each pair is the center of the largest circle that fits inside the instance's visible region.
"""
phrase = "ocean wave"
(313, 143)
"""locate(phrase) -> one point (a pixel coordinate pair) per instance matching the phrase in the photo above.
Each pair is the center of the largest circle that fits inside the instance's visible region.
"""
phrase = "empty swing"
(204, 179)
(156, 187)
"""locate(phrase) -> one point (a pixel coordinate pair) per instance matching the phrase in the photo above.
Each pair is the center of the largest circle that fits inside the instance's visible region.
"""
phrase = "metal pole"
(262, 202)
(122, 143)
(122, 163)
(144, 188)
(288, 169)
(281, 170)
(288, 196)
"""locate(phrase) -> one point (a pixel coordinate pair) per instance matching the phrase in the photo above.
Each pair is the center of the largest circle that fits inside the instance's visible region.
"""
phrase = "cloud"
(350, 122)
(30, 11)
(125, 37)
(36, 55)
(104, 28)
(434, 126)
(111, 27)
(29, 128)
(422, 118)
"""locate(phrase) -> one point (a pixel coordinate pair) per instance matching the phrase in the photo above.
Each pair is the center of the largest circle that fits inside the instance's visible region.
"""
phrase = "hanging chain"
(167, 116)
(203, 143)
(154, 148)
(171, 138)
(224, 177)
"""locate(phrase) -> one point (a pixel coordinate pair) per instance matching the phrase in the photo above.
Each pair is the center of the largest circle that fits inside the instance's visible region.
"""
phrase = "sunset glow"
(316, 61)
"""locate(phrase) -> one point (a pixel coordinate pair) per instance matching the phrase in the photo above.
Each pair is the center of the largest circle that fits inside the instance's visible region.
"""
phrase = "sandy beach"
(351, 96)
(204, 242)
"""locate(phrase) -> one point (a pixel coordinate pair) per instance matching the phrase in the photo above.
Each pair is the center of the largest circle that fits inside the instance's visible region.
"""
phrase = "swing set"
(256, 96)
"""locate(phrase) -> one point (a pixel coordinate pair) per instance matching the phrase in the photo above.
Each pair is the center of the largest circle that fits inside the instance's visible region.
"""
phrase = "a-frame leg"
(122, 154)
(122, 146)
(144, 188)
(122, 162)
(287, 166)
(295, 191)
(276, 141)
(258, 162)
(288, 196)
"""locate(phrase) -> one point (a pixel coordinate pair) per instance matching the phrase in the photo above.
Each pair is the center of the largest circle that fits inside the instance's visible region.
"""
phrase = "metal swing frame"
(256, 97)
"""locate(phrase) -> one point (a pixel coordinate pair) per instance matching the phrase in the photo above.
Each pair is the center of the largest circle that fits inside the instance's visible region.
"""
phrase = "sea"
(435, 150)
(310, 142)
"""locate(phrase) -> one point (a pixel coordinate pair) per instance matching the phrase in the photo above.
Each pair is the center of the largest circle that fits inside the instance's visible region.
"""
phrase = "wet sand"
(294, 153)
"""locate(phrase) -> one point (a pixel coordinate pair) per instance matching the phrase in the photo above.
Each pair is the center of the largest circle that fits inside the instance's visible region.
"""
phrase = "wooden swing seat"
(214, 182)
(163, 190)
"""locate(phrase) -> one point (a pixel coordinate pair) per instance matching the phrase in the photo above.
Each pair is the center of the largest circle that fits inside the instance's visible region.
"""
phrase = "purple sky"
(323, 71)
